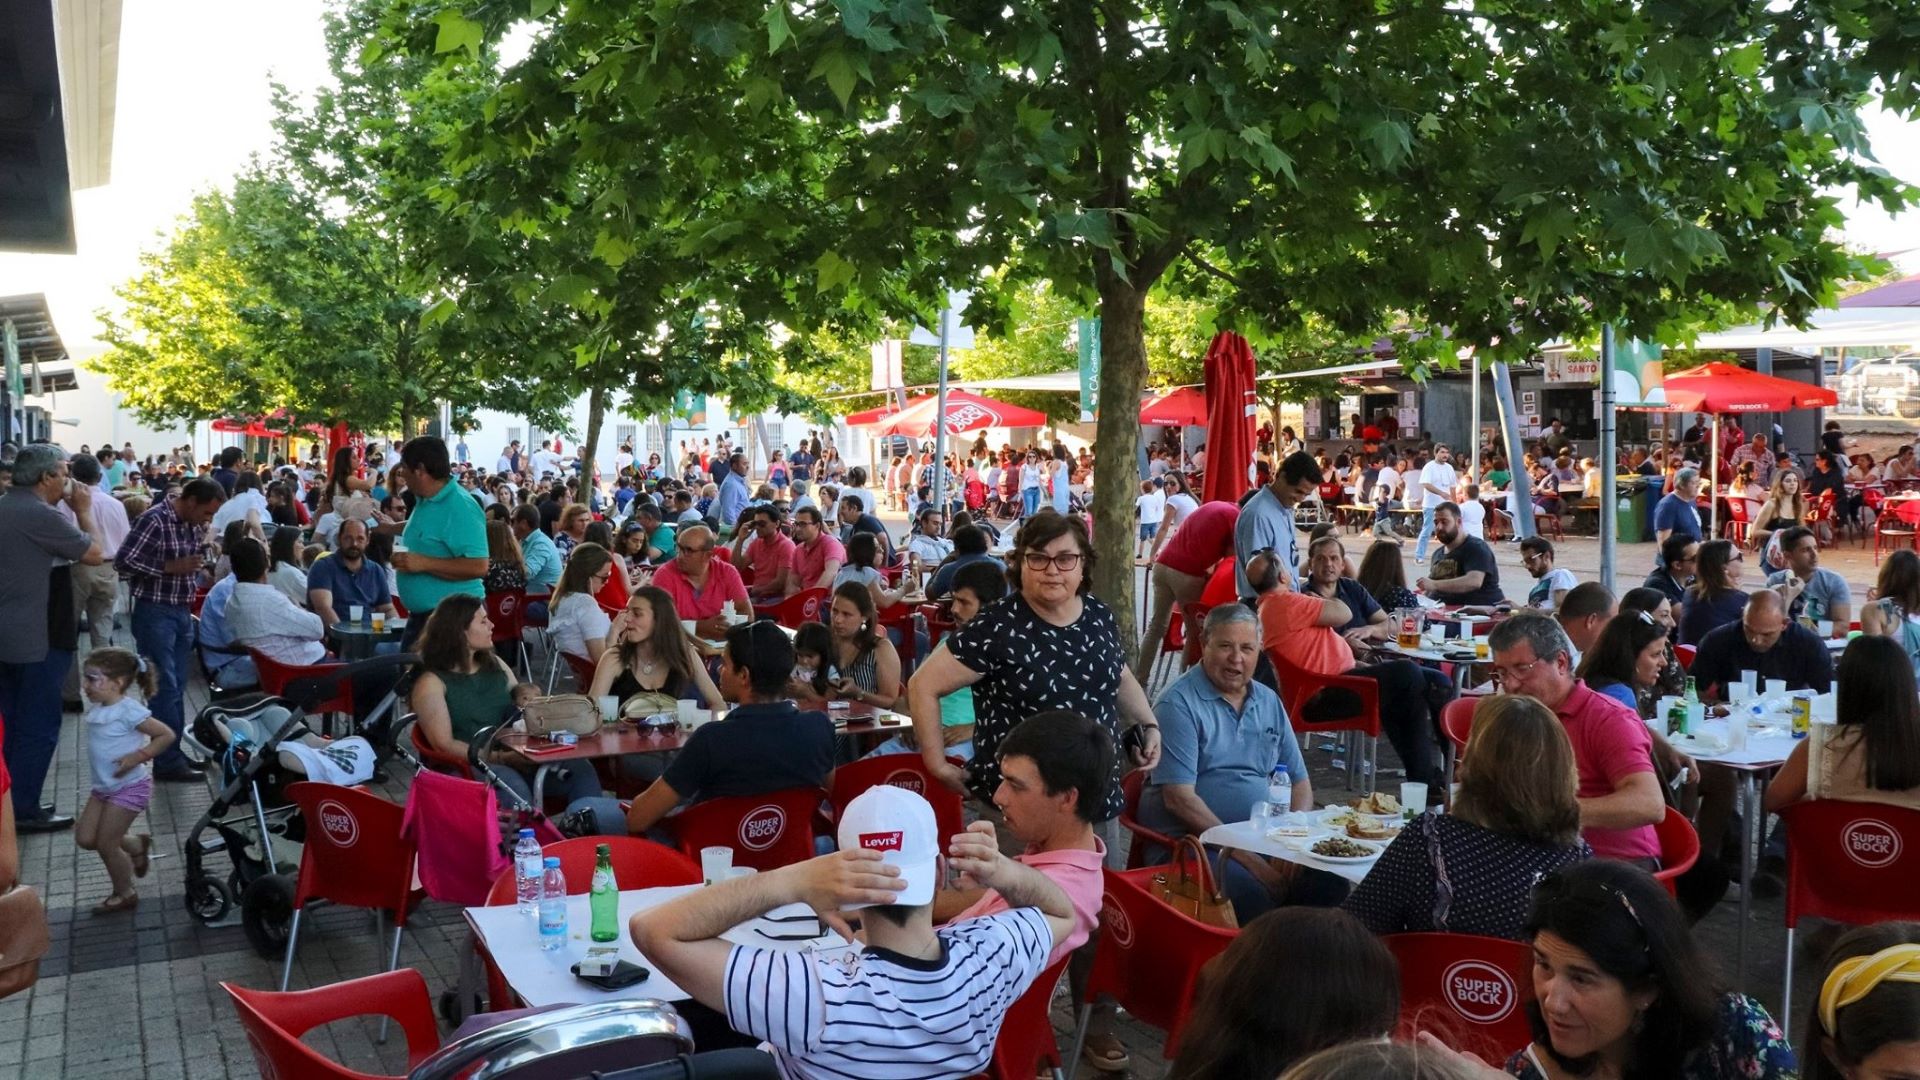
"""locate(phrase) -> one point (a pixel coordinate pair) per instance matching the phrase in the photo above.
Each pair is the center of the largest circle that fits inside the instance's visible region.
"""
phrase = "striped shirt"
(837, 1013)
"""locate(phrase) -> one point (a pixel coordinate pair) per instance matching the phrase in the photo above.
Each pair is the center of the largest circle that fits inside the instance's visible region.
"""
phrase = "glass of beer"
(379, 621)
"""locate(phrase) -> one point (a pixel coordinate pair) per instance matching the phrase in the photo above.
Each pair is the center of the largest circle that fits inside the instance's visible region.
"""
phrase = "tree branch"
(1203, 264)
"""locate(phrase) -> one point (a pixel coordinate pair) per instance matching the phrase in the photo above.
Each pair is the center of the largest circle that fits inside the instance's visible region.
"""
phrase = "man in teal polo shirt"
(446, 535)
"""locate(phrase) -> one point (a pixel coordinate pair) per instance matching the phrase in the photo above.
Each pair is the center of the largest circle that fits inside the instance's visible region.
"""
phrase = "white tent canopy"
(1069, 381)
(1828, 328)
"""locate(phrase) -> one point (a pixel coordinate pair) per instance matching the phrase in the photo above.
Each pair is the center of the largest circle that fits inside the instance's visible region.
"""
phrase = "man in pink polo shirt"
(1053, 779)
(817, 556)
(1620, 797)
(701, 583)
(763, 547)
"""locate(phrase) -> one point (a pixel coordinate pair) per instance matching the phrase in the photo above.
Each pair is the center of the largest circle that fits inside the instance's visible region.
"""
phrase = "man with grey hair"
(1676, 512)
(1620, 797)
(39, 547)
(1222, 734)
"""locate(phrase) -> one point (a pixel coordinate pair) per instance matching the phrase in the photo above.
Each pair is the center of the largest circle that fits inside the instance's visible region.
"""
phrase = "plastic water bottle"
(553, 907)
(1280, 790)
(526, 872)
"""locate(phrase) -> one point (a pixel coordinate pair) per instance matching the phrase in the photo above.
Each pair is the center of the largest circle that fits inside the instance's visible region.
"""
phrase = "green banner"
(1089, 367)
(690, 407)
(1637, 376)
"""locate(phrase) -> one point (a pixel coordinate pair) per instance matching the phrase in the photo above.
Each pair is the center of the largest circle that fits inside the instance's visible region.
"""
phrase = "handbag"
(561, 712)
(24, 939)
(1190, 889)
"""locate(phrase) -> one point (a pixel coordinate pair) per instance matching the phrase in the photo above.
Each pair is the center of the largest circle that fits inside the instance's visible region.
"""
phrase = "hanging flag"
(690, 407)
(1638, 378)
(1089, 334)
(888, 364)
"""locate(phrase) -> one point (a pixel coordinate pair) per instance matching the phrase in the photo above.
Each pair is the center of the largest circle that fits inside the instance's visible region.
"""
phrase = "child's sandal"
(143, 858)
(116, 903)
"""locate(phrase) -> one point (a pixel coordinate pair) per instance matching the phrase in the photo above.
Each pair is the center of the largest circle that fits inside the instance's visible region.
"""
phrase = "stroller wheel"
(266, 912)
(207, 899)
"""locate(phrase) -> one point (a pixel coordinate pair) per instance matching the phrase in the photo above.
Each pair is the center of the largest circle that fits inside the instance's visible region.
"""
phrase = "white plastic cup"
(1413, 798)
(1825, 629)
(1751, 680)
(399, 544)
(687, 712)
(609, 707)
(356, 613)
(1776, 688)
(716, 864)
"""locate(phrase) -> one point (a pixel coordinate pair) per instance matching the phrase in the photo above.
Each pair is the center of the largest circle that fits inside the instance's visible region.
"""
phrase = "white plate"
(1372, 845)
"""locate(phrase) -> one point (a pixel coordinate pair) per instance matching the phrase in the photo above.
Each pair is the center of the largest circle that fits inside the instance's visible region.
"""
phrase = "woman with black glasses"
(1625, 664)
(1048, 645)
(1620, 989)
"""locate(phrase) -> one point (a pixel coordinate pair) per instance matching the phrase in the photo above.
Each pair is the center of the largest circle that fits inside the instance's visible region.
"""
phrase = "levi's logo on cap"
(882, 841)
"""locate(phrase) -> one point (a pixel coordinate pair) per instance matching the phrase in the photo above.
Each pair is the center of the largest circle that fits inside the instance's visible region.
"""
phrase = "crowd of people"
(1034, 708)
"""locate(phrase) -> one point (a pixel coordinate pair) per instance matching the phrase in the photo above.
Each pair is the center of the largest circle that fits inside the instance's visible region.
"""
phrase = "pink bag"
(454, 824)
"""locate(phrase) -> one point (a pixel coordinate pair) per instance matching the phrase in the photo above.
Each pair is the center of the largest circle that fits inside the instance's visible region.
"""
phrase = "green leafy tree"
(1511, 170)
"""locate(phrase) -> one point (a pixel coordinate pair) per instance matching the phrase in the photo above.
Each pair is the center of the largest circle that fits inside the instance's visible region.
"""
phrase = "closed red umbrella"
(1230, 412)
(1186, 406)
(966, 411)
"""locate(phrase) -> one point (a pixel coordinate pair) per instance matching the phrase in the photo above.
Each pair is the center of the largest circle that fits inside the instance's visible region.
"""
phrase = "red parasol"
(1186, 406)
(868, 417)
(1727, 388)
(965, 412)
(1230, 399)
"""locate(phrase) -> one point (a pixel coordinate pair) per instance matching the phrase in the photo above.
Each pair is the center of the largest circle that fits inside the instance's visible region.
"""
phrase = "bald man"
(1766, 643)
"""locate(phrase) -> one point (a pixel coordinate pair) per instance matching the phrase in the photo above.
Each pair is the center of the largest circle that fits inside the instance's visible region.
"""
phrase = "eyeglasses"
(1063, 562)
(1517, 671)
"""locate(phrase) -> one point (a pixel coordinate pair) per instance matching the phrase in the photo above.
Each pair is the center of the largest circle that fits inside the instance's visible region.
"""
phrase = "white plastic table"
(543, 978)
(1242, 835)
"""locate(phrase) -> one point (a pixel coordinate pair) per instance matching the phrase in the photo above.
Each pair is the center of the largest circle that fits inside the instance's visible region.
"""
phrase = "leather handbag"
(1190, 889)
(561, 712)
(24, 939)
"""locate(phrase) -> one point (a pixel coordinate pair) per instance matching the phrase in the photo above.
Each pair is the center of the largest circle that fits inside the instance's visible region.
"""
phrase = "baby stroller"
(256, 740)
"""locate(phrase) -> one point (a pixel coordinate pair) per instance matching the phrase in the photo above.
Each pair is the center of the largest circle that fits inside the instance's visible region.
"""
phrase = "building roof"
(39, 341)
(59, 73)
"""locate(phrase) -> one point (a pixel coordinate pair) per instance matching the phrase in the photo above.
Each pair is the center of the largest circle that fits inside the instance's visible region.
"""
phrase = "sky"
(193, 106)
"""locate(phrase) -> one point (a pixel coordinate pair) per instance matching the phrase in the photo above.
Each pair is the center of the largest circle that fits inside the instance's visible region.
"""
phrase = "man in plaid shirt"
(161, 559)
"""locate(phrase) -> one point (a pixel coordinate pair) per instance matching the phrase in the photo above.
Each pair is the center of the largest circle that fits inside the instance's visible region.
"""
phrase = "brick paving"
(138, 995)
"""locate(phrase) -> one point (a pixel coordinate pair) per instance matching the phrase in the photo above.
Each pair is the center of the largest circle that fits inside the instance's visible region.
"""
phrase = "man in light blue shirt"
(536, 547)
(232, 671)
(1266, 521)
(1221, 736)
(733, 493)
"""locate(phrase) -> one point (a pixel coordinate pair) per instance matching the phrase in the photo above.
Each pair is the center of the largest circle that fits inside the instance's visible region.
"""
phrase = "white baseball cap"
(899, 824)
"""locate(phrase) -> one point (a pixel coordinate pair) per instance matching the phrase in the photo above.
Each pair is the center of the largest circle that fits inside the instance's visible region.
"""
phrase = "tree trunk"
(596, 416)
(1123, 372)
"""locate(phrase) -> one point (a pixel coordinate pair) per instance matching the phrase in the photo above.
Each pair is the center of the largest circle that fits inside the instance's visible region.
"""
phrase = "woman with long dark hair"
(578, 624)
(1660, 607)
(1625, 663)
(1871, 753)
(342, 484)
(651, 654)
(1895, 612)
(1715, 598)
(1384, 575)
(868, 664)
(1621, 989)
(1342, 986)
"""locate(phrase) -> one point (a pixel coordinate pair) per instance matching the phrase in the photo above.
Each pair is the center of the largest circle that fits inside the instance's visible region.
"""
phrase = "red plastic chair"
(1174, 643)
(796, 610)
(1853, 862)
(1739, 520)
(1131, 784)
(902, 771)
(275, 1021)
(1148, 958)
(507, 611)
(355, 854)
(1899, 520)
(1684, 655)
(637, 864)
(437, 760)
(1456, 720)
(1298, 686)
(582, 669)
(765, 832)
(1026, 1043)
(1679, 849)
(274, 677)
(1470, 990)
(900, 617)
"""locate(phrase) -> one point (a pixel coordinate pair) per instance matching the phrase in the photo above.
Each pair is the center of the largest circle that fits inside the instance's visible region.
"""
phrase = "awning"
(1828, 328)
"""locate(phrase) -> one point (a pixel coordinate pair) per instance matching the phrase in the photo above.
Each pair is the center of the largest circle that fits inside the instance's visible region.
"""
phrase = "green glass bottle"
(605, 899)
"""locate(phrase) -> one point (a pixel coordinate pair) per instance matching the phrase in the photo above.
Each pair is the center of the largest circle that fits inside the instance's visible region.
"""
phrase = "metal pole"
(1522, 484)
(1609, 524)
(1473, 434)
(1713, 484)
(940, 420)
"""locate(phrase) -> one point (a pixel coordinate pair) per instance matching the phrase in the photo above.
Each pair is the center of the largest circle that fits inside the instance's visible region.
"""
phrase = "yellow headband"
(1855, 977)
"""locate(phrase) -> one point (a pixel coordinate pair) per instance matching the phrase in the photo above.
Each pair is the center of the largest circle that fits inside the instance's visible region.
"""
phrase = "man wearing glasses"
(1620, 798)
(701, 584)
(1676, 568)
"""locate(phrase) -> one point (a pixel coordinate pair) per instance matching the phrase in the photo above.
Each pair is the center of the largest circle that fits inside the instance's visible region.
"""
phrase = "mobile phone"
(624, 974)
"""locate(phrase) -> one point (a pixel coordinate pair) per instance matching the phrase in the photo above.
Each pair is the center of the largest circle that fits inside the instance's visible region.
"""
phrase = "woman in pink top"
(701, 585)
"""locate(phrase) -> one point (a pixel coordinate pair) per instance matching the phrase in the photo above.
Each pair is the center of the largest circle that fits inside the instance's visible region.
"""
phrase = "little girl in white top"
(123, 738)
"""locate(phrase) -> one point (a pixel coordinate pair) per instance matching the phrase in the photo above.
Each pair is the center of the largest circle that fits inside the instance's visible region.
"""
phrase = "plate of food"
(1371, 827)
(1338, 817)
(1379, 804)
(1292, 826)
(1344, 850)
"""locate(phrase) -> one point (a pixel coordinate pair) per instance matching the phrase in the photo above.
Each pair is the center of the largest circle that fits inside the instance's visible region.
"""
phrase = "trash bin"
(1630, 510)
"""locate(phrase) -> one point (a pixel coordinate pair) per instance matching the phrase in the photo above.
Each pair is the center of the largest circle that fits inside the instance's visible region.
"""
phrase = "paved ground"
(138, 995)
